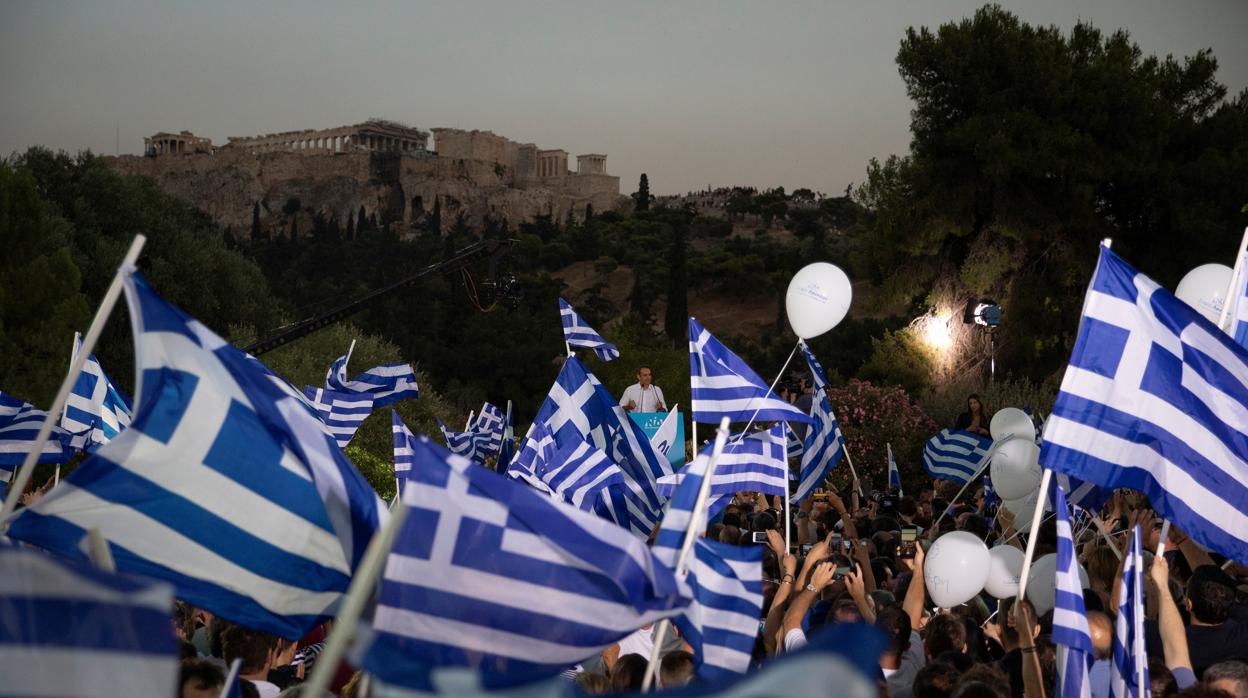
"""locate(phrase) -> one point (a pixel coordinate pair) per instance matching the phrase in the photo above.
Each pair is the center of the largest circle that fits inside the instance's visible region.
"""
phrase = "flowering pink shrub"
(871, 417)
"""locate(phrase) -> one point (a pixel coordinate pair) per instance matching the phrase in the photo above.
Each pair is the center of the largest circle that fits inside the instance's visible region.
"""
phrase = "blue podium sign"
(673, 446)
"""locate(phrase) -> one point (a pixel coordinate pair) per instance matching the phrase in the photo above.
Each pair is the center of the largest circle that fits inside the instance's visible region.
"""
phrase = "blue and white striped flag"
(578, 473)
(507, 450)
(1156, 399)
(225, 484)
(488, 574)
(94, 408)
(404, 450)
(756, 463)
(72, 631)
(894, 475)
(724, 386)
(578, 333)
(19, 425)
(1129, 674)
(824, 446)
(469, 444)
(955, 455)
(490, 422)
(1070, 617)
(343, 413)
(1237, 315)
(386, 383)
(579, 408)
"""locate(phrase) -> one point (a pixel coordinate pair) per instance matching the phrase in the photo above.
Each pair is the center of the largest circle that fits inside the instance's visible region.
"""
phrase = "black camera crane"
(491, 249)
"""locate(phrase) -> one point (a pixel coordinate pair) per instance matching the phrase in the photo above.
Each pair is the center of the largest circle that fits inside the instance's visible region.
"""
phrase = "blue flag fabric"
(507, 449)
(955, 455)
(579, 408)
(95, 408)
(490, 422)
(722, 622)
(404, 450)
(1070, 617)
(387, 383)
(894, 475)
(824, 446)
(724, 386)
(343, 413)
(225, 484)
(755, 463)
(468, 444)
(1128, 676)
(74, 631)
(1155, 398)
(489, 574)
(578, 473)
(578, 333)
(19, 425)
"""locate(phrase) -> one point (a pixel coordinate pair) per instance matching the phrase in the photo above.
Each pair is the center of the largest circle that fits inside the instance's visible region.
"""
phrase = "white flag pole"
(696, 526)
(73, 354)
(468, 424)
(22, 478)
(1236, 275)
(1035, 532)
(770, 391)
(352, 606)
(231, 677)
(98, 550)
(979, 470)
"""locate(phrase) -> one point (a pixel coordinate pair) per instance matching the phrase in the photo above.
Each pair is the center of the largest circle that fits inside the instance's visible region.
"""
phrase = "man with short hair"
(676, 670)
(643, 396)
(1230, 676)
(198, 678)
(258, 652)
(1213, 636)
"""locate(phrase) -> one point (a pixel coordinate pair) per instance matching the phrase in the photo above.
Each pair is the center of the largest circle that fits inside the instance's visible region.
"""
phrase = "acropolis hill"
(383, 166)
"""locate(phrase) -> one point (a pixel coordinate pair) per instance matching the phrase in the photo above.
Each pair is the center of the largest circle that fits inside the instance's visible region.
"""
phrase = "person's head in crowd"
(1101, 629)
(942, 634)
(895, 624)
(183, 620)
(976, 525)
(1210, 595)
(959, 660)
(216, 630)
(936, 680)
(1092, 600)
(844, 610)
(644, 376)
(1161, 682)
(1102, 566)
(882, 569)
(732, 518)
(257, 650)
(976, 408)
(907, 508)
(1005, 623)
(628, 672)
(763, 522)
(198, 678)
(186, 650)
(885, 524)
(592, 683)
(1201, 690)
(988, 676)
(730, 535)
(714, 530)
(1230, 676)
(883, 598)
(676, 669)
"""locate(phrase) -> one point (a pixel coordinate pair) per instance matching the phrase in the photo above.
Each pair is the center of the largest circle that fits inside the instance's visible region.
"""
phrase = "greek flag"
(1129, 673)
(19, 425)
(1070, 618)
(95, 408)
(1237, 317)
(404, 450)
(894, 476)
(955, 455)
(468, 444)
(1156, 399)
(724, 386)
(727, 586)
(756, 463)
(579, 408)
(793, 445)
(343, 413)
(577, 472)
(991, 500)
(664, 438)
(488, 574)
(225, 484)
(840, 656)
(578, 333)
(490, 423)
(507, 450)
(386, 383)
(73, 631)
(824, 446)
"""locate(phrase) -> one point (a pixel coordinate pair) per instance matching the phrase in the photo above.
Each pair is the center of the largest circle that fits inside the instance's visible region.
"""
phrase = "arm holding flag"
(1170, 624)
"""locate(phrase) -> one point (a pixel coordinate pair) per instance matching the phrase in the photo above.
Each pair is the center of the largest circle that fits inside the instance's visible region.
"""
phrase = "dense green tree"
(642, 197)
(675, 322)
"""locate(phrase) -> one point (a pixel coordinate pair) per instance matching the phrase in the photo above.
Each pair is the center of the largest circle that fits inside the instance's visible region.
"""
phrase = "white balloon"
(955, 569)
(1204, 288)
(817, 299)
(1004, 565)
(1042, 583)
(1012, 421)
(1016, 468)
(1023, 509)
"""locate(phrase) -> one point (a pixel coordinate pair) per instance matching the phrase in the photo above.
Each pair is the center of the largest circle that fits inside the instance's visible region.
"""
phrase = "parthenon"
(374, 135)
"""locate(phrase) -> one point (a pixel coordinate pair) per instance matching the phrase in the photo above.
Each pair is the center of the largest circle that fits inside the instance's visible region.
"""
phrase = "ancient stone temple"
(183, 143)
(374, 135)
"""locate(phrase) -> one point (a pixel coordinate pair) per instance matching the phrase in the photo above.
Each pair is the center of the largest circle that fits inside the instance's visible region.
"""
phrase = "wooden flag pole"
(22, 478)
(696, 525)
(358, 594)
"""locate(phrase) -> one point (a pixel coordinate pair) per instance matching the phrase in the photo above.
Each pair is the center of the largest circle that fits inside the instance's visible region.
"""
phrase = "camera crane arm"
(491, 249)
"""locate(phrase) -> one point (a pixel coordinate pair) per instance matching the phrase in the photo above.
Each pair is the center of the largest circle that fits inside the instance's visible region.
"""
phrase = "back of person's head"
(183, 619)
(676, 669)
(251, 646)
(1203, 690)
(1210, 594)
(1230, 676)
(1102, 566)
(906, 506)
(885, 544)
(844, 610)
(884, 523)
(1161, 682)
(936, 680)
(216, 629)
(942, 634)
(959, 660)
(882, 599)
(895, 624)
(198, 678)
(730, 535)
(592, 683)
(732, 519)
(1101, 628)
(628, 672)
(976, 525)
(977, 689)
(987, 675)
(763, 522)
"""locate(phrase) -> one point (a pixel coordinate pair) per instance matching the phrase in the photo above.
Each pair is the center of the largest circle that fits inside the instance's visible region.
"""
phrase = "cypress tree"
(675, 322)
(643, 194)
